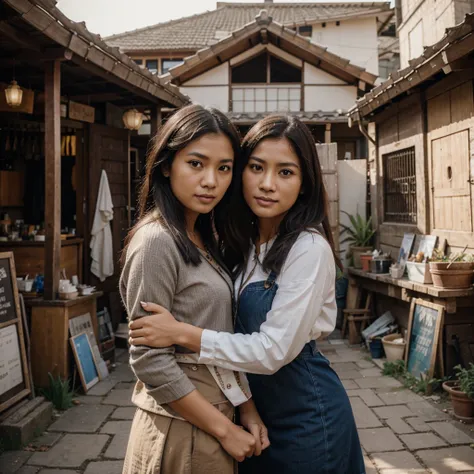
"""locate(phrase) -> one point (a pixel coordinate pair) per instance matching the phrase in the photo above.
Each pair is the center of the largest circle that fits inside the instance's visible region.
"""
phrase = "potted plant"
(453, 272)
(461, 392)
(360, 234)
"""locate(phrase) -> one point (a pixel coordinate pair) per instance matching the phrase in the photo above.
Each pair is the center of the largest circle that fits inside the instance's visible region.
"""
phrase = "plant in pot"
(360, 235)
(453, 272)
(461, 392)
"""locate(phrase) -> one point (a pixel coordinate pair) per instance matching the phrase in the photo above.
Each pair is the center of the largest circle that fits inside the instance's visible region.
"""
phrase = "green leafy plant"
(394, 369)
(466, 379)
(360, 232)
(418, 385)
(439, 256)
(58, 393)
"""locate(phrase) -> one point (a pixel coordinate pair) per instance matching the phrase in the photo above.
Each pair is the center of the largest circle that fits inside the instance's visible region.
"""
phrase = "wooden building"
(253, 59)
(53, 148)
(420, 123)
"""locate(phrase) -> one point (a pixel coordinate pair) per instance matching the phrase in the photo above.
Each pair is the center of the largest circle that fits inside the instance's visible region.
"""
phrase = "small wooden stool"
(354, 317)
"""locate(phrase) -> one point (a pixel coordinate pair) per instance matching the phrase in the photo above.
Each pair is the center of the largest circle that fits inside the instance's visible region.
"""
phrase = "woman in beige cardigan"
(184, 409)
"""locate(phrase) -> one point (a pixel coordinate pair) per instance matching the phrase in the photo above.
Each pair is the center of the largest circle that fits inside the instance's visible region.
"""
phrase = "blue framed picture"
(86, 364)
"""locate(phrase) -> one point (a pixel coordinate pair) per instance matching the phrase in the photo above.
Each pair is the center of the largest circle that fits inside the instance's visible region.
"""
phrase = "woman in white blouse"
(285, 300)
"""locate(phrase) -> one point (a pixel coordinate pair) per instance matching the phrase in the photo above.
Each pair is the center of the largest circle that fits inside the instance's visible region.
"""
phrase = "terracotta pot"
(459, 275)
(365, 262)
(463, 406)
(356, 253)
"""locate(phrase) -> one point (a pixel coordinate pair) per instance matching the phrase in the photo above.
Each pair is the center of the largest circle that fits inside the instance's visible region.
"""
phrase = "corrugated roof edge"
(403, 80)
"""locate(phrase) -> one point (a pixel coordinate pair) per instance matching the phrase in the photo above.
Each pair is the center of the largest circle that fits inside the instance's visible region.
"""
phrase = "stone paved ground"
(400, 431)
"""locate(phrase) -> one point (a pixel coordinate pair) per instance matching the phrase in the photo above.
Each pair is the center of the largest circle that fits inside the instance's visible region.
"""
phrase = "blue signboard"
(424, 329)
(85, 360)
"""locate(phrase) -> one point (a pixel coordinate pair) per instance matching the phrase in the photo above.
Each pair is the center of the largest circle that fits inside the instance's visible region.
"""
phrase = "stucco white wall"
(434, 16)
(329, 98)
(215, 96)
(217, 75)
(355, 40)
(313, 75)
(352, 185)
(210, 88)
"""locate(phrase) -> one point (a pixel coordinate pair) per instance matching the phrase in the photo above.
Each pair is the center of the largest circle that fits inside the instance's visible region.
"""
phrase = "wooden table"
(458, 325)
(50, 348)
(404, 289)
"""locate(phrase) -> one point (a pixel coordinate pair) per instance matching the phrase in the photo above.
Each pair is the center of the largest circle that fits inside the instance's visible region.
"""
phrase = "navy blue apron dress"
(304, 405)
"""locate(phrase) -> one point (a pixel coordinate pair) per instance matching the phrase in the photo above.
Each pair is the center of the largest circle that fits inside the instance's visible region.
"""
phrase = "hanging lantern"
(133, 119)
(14, 94)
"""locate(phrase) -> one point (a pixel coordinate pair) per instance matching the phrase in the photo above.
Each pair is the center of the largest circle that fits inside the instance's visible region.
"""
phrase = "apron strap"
(270, 281)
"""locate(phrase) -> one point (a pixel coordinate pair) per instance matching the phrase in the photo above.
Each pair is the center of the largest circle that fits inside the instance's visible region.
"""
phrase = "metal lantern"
(133, 119)
(14, 94)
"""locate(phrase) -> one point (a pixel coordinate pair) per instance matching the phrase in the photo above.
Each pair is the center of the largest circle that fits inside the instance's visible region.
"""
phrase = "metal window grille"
(400, 186)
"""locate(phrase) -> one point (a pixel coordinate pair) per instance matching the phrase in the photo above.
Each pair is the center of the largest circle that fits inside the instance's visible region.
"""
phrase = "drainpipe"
(361, 128)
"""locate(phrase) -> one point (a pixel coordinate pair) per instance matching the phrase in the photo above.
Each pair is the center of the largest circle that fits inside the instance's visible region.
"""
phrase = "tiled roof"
(313, 117)
(272, 31)
(198, 31)
(455, 44)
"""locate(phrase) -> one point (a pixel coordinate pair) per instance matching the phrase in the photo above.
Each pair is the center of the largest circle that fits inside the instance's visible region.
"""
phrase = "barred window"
(399, 186)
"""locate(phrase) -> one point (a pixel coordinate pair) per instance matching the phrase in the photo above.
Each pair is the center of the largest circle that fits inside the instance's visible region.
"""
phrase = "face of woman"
(201, 173)
(272, 179)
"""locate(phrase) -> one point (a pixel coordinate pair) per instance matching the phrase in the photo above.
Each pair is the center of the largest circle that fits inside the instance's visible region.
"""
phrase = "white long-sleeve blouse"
(304, 308)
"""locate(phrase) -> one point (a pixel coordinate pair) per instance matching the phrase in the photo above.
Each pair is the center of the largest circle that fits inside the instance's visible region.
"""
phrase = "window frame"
(398, 174)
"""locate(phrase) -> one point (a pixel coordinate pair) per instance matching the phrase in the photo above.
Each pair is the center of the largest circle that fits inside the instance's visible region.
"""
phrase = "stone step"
(23, 425)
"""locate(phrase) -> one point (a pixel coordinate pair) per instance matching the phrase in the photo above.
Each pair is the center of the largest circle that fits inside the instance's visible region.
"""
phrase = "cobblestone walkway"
(400, 431)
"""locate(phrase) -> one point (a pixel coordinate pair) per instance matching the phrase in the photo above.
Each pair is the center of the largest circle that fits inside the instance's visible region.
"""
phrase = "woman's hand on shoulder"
(159, 329)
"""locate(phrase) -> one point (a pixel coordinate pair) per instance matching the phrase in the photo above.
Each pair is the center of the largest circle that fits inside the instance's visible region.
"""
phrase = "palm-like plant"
(360, 231)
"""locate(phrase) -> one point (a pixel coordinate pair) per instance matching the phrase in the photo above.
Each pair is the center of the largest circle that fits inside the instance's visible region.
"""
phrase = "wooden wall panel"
(439, 111)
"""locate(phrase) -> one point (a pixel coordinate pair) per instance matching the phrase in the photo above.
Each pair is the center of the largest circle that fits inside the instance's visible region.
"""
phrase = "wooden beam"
(156, 120)
(52, 218)
(327, 133)
(98, 97)
(18, 37)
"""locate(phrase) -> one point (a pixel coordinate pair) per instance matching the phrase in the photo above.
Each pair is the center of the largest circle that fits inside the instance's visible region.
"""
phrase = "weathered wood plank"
(53, 178)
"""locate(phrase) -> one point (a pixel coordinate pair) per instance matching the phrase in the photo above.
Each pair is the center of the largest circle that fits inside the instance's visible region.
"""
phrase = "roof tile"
(199, 31)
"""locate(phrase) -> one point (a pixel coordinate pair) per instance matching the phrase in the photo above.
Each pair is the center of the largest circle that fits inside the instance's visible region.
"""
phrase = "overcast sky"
(108, 17)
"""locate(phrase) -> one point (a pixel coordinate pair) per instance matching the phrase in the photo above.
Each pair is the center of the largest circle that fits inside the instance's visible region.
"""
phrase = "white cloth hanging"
(101, 242)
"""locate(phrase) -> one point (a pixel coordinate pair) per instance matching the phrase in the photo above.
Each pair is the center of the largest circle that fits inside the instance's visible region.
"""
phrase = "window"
(252, 71)
(167, 64)
(152, 65)
(139, 61)
(255, 71)
(305, 31)
(399, 185)
(281, 71)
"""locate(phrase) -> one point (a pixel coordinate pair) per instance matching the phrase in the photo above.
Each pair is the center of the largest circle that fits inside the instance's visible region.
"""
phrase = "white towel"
(102, 252)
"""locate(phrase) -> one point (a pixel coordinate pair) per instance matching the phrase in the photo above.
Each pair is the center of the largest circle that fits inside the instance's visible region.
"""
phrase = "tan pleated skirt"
(161, 444)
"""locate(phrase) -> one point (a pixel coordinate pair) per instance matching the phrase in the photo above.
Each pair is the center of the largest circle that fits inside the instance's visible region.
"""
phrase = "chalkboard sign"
(424, 332)
(86, 364)
(14, 375)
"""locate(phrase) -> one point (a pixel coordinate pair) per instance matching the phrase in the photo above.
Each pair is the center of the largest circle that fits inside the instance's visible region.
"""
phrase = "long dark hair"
(309, 212)
(157, 201)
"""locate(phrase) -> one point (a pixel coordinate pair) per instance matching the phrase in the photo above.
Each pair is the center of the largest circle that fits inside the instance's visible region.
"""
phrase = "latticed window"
(400, 186)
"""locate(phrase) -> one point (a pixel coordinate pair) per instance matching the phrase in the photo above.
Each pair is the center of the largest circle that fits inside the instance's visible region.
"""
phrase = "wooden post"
(52, 218)
(156, 119)
(327, 133)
